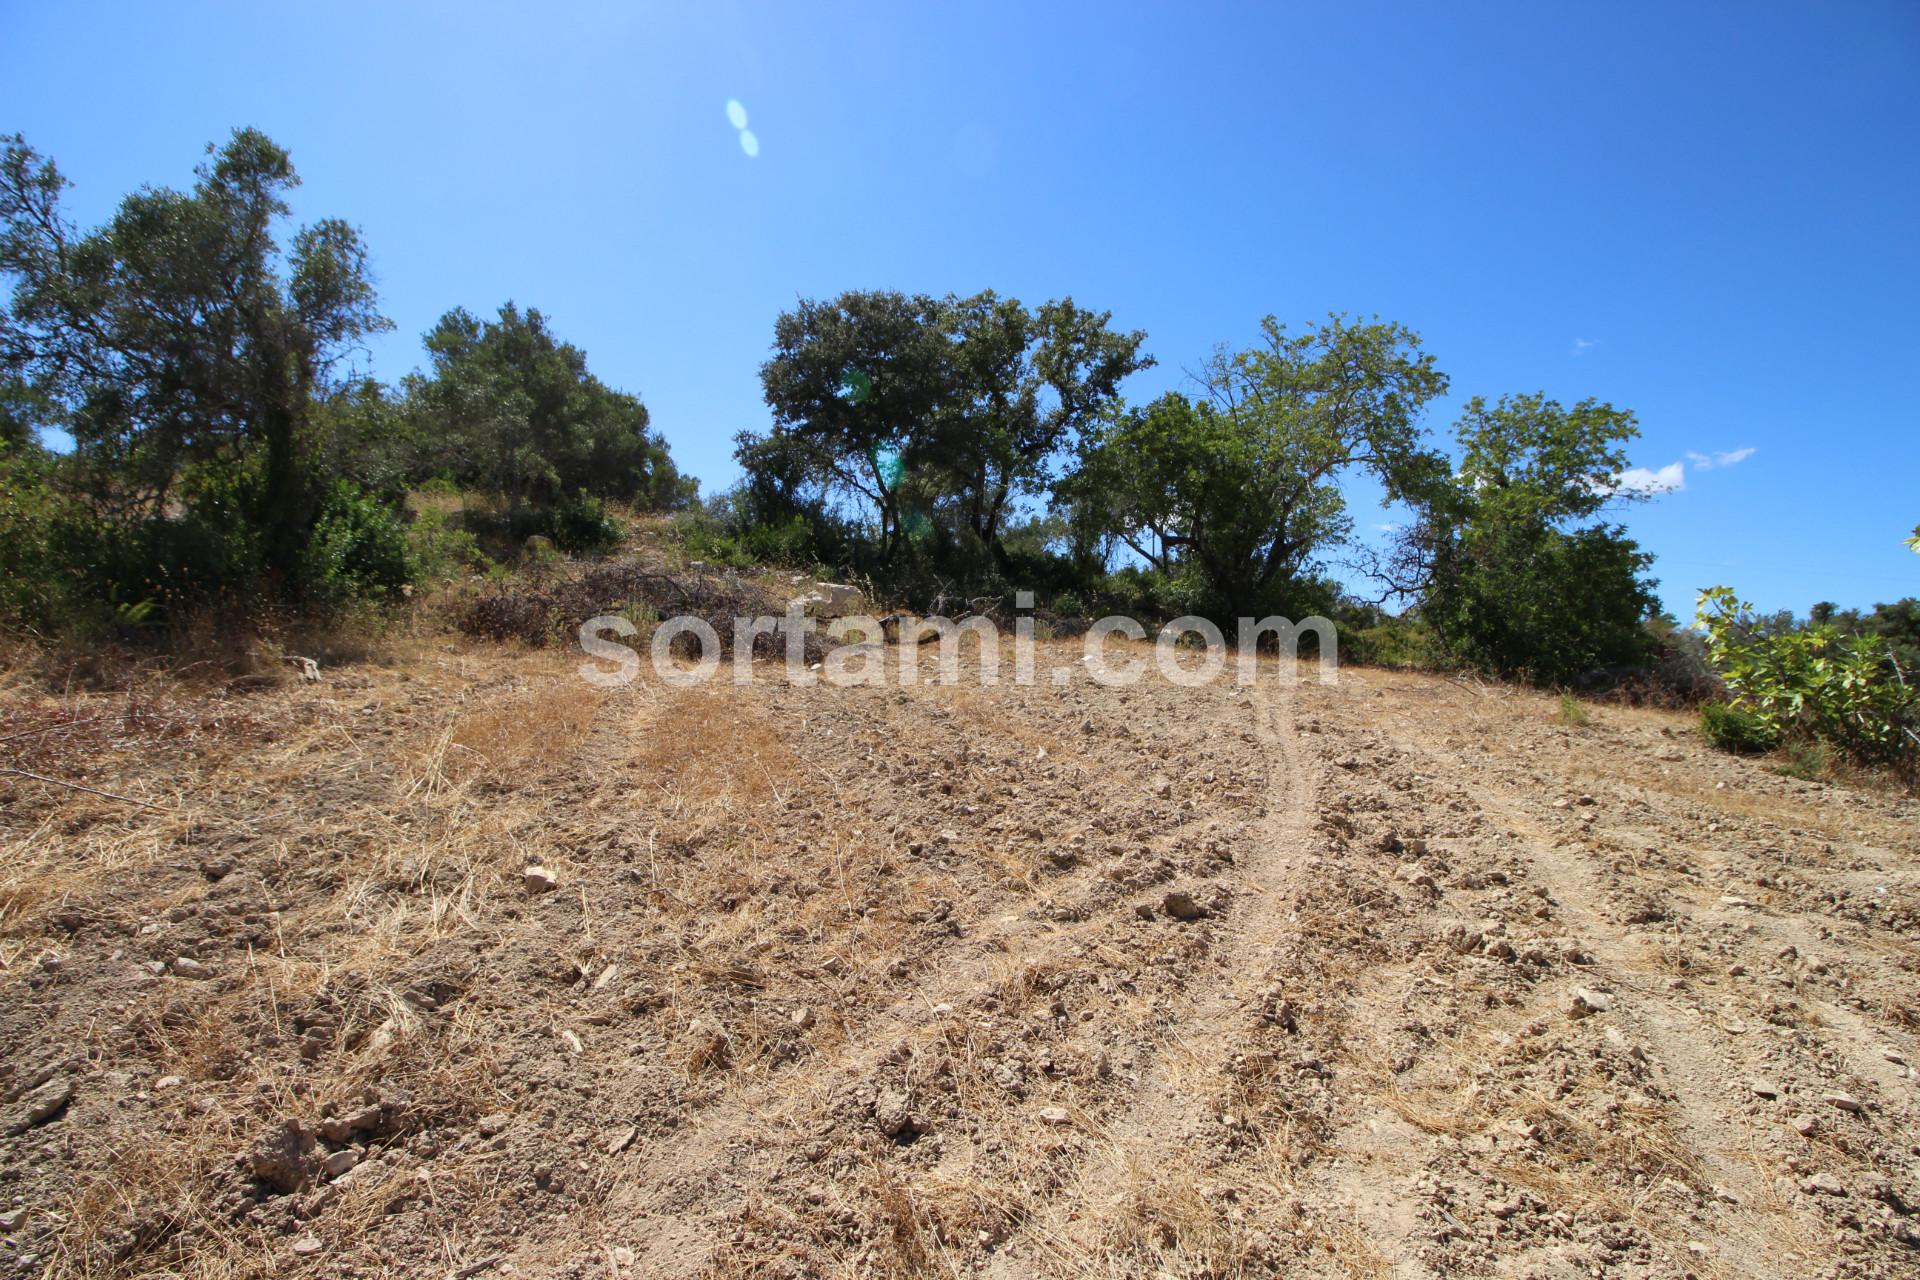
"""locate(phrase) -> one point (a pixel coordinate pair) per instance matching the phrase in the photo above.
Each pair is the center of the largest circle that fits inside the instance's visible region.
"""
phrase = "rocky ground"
(454, 965)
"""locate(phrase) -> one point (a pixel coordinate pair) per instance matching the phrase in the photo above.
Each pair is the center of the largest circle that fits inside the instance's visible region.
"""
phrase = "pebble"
(306, 1246)
(1765, 1088)
(339, 1162)
(1822, 1184)
(11, 1219)
(541, 880)
(495, 1123)
(188, 967)
(1844, 1101)
(1586, 1002)
(38, 1107)
(1055, 1116)
(1806, 1126)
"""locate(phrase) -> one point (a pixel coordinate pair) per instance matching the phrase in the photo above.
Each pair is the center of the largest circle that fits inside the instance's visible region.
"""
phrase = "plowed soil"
(1402, 976)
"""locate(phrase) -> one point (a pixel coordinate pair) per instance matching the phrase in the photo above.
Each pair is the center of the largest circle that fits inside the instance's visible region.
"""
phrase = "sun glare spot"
(749, 143)
(736, 114)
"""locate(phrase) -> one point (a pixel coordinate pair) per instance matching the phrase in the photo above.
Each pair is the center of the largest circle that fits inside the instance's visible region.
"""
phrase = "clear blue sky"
(1707, 212)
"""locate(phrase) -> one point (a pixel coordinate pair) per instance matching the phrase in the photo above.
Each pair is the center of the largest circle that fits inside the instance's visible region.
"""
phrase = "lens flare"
(855, 385)
(736, 114)
(749, 143)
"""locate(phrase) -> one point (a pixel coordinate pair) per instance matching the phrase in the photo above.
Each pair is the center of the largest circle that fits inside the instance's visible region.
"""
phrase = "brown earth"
(1399, 977)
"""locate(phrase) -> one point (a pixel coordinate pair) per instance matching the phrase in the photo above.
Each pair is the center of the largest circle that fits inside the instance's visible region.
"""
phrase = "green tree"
(1244, 486)
(508, 407)
(180, 335)
(1506, 574)
(903, 405)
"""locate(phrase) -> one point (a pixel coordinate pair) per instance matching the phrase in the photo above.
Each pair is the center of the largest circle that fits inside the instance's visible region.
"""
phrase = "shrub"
(441, 547)
(1731, 728)
(1572, 710)
(582, 525)
(1813, 683)
(358, 549)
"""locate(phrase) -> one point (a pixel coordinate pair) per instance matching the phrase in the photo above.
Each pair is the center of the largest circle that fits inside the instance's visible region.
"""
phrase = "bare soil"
(1399, 977)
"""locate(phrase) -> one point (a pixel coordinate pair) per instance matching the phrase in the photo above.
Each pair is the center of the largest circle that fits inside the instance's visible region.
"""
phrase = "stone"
(1055, 1116)
(1181, 906)
(38, 1107)
(1587, 1002)
(284, 1160)
(495, 1123)
(12, 1219)
(340, 1161)
(1160, 788)
(541, 880)
(893, 1114)
(1806, 1126)
(1764, 1088)
(1822, 1184)
(167, 1082)
(801, 1018)
(1844, 1101)
(307, 1246)
(188, 967)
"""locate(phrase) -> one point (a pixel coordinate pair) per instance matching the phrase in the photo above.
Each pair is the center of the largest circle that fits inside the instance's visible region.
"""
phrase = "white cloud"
(1707, 462)
(1583, 345)
(1668, 479)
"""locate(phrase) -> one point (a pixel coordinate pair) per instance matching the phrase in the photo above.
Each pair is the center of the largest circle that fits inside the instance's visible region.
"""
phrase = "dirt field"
(1401, 977)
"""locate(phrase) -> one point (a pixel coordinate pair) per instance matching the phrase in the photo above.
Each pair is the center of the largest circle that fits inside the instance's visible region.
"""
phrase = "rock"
(541, 880)
(495, 1123)
(1054, 1116)
(167, 1082)
(306, 1246)
(1181, 906)
(1844, 1101)
(369, 1119)
(1144, 910)
(623, 1256)
(340, 1161)
(1823, 1184)
(801, 1018)
(188, 967)
(1414, 874)
(1587, 1002)
(893, 1113)
(284, 1160)
(12, 1219)
(1764, 1088)
(38, 1107)
(621, 1140)
(1160, 788)
(1805, 1125)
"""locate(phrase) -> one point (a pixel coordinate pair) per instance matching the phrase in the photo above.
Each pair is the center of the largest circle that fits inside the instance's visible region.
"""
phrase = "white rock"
(541, 880)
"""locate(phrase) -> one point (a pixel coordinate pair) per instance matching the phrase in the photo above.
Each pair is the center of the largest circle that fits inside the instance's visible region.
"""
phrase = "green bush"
(581, 525)
(1735, 729)
(358, 549)
(441, 546)
(1813, 683)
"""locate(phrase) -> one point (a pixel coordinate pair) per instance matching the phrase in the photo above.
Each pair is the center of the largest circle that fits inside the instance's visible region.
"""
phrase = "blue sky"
(1706, 212)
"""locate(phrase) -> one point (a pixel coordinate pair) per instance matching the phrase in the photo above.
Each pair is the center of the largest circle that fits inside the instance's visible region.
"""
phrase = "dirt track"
(883, 981)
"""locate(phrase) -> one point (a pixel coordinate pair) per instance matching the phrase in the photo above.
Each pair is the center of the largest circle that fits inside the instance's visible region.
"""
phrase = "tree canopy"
(507, 406)
(1243, 485)
(900, 405)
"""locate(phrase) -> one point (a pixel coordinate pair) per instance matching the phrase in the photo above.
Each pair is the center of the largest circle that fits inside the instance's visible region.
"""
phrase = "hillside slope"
(1395, 977)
